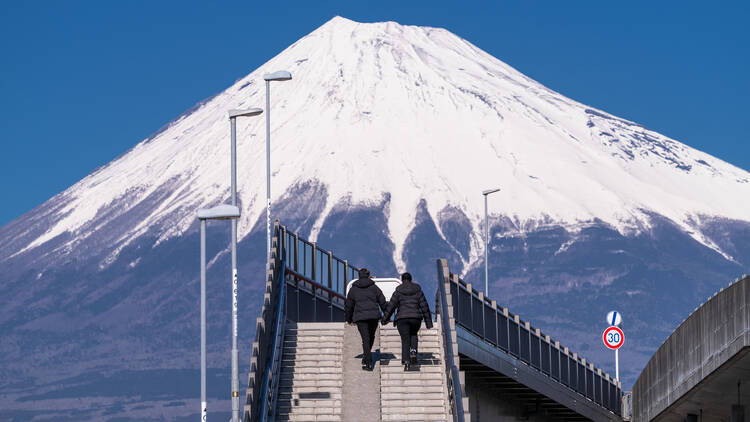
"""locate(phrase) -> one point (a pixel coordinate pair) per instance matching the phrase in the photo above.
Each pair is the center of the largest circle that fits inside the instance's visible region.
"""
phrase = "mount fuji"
(380, 148)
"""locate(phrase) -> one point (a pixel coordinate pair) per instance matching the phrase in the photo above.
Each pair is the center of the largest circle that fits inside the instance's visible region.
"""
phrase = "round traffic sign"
(613, 337)
(614, 318)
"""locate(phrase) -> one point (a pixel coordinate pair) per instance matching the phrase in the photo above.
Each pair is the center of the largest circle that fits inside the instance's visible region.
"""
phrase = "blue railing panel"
(490, 324)
(502, 331)
(524, 345)
(535, 352)
(477, 316)
(513, 337)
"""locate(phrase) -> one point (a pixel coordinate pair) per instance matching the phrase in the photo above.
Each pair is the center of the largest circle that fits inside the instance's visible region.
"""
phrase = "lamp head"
(246, 112)
(281, 75)
(489, 191)
(219, 212)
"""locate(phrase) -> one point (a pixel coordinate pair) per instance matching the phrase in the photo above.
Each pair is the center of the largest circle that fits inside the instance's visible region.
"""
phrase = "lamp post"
(233, 114)
(220, 212)
(281, 75)
(486, 193)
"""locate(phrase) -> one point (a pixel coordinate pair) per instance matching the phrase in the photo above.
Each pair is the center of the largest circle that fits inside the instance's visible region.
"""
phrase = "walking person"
(412, 308)
(363, 305)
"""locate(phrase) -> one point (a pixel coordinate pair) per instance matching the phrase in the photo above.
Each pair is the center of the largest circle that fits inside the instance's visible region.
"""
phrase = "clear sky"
(82, 82)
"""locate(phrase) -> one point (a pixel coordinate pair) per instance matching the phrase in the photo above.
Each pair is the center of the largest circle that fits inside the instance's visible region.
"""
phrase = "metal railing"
(304, 283)
(270, 387)
(315, 264)
(518, 338)
(450, 348)
(265, 333)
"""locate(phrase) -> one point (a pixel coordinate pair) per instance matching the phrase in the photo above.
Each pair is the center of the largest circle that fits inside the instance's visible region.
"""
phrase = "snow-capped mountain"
(417, 113)
(381, 145)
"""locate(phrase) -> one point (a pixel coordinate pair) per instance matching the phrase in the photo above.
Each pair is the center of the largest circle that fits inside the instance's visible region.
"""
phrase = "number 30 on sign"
(613, 338)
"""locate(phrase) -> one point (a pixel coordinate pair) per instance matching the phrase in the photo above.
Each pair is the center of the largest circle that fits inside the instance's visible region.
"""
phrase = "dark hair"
(405, 277)
(364, 272)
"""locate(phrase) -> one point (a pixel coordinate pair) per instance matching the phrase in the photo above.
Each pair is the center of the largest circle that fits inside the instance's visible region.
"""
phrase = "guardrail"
(315, 264)
(270, 387)
(265, 333)
(304, 283)
(444, 309)
(507, 332)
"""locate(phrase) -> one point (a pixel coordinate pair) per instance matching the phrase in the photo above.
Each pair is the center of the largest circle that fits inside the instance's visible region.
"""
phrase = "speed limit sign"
(613, 337)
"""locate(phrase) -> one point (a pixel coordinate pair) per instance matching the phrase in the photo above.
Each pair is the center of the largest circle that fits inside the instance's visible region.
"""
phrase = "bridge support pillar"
(738, 413)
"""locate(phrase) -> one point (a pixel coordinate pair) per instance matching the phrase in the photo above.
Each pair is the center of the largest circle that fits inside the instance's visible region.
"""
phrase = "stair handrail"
(455, 393)
(269, 391)
(263, 345)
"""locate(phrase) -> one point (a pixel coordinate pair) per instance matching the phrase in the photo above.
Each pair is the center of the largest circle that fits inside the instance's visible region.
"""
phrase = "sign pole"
(617, 364)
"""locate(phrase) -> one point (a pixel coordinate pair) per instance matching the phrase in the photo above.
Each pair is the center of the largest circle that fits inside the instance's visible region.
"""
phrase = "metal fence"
(304, 283)
(518, 338)
(316, 280)
(459, 404)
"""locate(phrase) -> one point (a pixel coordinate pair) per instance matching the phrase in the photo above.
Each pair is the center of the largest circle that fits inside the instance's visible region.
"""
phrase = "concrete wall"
(710, 336)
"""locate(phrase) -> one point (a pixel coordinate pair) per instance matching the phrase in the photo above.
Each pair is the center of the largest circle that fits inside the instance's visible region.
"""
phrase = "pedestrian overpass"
(480, 362)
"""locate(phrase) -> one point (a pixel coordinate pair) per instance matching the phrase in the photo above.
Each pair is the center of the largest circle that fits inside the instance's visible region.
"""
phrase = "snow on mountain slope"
(417, 113)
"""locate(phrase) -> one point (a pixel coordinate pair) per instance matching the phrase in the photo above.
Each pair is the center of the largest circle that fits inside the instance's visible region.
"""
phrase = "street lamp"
(281, 75)
(219, 212)
(486, 239)
(233, 114)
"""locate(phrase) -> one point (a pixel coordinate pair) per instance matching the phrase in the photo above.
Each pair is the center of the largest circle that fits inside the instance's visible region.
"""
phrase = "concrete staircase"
(418, 395)
(311, 382)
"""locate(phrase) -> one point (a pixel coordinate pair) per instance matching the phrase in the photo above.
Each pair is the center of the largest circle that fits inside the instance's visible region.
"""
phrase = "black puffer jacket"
(364, 301)
(410, 302)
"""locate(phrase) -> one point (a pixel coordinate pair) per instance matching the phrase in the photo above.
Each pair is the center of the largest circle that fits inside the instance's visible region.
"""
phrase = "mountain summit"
(381, 145)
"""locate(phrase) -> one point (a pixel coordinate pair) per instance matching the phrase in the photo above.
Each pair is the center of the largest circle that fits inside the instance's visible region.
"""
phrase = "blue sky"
(82, 82)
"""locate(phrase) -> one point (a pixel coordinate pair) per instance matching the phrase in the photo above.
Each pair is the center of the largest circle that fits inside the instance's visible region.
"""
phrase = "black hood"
(363, 283)
(409, 288)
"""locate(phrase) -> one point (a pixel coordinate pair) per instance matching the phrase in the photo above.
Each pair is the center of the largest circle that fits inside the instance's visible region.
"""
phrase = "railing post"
(296, 252)
(328, 254)
(313, 274)
(484, 325)
(346, 273)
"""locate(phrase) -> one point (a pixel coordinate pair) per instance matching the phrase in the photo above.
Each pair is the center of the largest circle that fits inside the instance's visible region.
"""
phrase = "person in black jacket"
(412, 308)
(363, 304)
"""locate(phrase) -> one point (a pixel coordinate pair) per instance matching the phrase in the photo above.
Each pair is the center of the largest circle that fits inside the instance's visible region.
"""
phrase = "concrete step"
(396, 342)
(291, 395)
(308, 377)
(317, 411)
(386, 385)
(386, 396)
(311, 355)
(296, 384)
(412, 375)
(319, 350)
(321, 370)
(413, 418)
(391, 403)
(302, 363)
(296, 404)
(422, 369)
(438, 409)
(309, 418)
(408, 390)
(315, 325)
(309, 390)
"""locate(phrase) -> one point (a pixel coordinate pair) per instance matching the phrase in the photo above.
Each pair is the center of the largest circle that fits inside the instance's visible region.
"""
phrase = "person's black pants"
(408, 328)
(367, 330)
